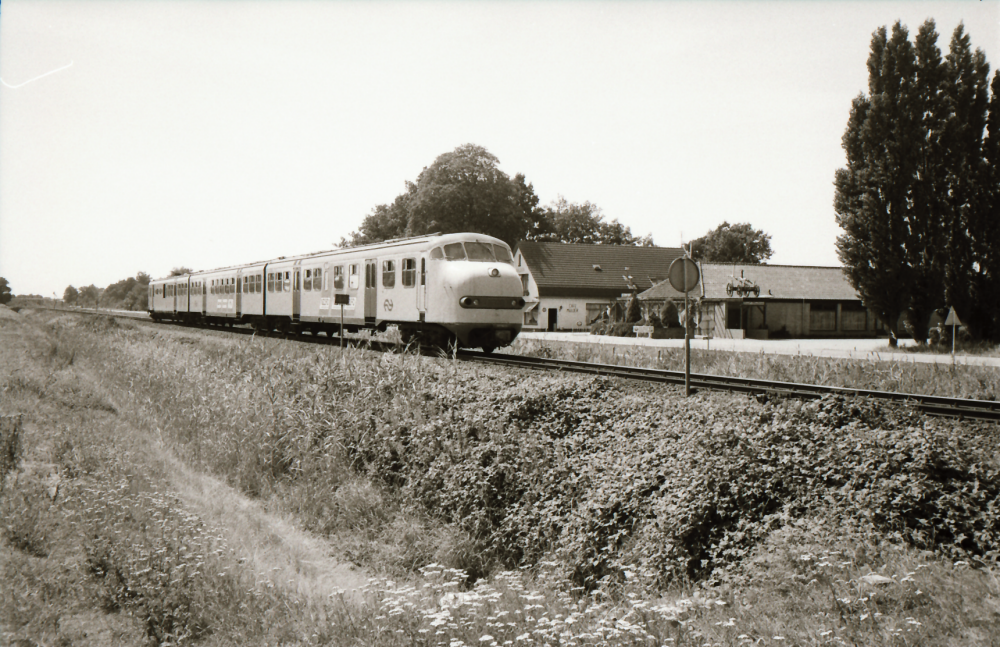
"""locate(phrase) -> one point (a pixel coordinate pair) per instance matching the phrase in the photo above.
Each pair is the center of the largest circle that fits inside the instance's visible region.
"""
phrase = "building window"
(595, 311)
(524, 285)
(853, 316)
(822, 316)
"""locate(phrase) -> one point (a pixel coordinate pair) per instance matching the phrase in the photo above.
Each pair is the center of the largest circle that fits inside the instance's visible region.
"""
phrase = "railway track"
(928, 404)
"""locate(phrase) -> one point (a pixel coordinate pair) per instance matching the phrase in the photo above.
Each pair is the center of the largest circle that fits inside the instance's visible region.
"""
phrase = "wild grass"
(415, 468)
(887, 374)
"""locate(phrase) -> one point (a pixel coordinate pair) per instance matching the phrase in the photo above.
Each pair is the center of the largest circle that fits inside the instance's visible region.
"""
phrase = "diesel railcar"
(437, 289)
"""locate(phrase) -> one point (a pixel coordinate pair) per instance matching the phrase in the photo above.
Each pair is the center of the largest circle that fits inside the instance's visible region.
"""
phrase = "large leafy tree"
(5, 293)
(739, 243)
(913, 156)
(131, 293)
(89, 296)
(464, 190)
(70, 295)
(568, 222)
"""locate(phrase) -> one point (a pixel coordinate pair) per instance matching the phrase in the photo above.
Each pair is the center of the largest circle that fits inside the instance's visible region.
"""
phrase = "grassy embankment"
(586, 511)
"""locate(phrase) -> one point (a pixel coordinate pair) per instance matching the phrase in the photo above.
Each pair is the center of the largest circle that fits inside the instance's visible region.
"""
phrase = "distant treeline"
(128, 294)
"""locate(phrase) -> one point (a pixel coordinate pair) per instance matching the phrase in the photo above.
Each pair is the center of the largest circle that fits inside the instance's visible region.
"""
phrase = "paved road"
(873, 349)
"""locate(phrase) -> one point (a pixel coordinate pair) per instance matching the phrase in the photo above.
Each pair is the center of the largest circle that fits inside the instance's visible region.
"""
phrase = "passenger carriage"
(435, 288)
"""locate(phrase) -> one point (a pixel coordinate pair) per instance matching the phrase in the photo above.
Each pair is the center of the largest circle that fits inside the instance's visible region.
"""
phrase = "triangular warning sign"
(952, 319)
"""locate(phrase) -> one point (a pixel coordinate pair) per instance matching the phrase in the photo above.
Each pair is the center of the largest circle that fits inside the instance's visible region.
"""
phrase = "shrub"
(10, 446)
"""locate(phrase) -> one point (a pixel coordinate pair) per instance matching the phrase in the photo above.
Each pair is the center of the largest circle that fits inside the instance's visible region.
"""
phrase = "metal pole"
(687, 334)
(341, 325)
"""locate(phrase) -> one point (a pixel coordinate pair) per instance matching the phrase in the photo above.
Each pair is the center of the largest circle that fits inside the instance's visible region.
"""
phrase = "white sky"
(208, 133)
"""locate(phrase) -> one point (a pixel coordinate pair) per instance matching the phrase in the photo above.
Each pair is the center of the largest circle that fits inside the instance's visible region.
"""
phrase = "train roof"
(437, 237)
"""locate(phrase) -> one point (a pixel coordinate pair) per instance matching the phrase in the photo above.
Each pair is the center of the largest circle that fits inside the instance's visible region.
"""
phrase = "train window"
(287, 287)
(388, 274)
(436, 254)
(270, 281)
(317, 279)
(409, 271)
(454, 252)
(355, 277)
(297, 273)
(423, 271)
(502, 254)
(260, 284)
(307, 282)
(338, 277)
(480, 252)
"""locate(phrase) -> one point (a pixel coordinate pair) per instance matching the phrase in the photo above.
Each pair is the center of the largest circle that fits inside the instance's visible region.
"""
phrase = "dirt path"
(272, 546)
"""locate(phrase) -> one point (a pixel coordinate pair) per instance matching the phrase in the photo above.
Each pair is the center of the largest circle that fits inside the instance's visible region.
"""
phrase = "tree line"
(464, 190)
(919, 200)
(128, 294)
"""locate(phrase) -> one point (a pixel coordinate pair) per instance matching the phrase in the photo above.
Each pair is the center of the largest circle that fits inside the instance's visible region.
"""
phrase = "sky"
(144, 135)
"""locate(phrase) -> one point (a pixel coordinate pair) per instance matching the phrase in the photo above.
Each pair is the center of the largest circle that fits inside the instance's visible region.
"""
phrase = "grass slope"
(498, 507)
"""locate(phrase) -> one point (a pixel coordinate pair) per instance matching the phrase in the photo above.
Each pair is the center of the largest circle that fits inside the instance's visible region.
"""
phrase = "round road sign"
(677, 271)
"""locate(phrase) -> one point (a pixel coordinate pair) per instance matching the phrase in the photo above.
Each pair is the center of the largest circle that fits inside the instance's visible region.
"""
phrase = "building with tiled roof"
(761, 301)
(567, 286)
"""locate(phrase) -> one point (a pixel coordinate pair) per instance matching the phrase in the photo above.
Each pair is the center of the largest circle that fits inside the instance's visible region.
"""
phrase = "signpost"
(684, 276)
(341, 300)
(952, 321)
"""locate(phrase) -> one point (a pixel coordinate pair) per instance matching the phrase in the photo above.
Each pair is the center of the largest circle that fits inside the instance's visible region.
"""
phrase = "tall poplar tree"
(871, 193)
(913, 201)
(971, 237)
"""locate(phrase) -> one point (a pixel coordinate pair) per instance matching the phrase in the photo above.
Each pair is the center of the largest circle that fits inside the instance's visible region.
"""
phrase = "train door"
(239, 294)
(296, 292)
(422, 286)
(371, 291)
(553, 319)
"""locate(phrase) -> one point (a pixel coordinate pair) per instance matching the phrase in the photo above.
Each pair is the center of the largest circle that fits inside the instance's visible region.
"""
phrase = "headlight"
(492, 303)
(494, 272)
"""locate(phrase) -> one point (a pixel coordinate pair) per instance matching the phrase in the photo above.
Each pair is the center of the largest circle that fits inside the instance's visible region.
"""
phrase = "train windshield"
(502, 254)
(480, 252)
(454, 252)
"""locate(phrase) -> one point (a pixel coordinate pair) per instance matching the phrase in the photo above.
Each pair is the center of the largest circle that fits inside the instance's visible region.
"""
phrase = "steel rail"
(929, 404)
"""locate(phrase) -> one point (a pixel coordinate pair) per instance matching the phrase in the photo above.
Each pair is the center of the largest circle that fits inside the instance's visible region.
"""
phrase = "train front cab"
(473, 291)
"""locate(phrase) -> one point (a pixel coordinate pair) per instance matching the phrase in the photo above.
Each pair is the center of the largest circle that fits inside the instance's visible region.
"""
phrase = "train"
(442, 289)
